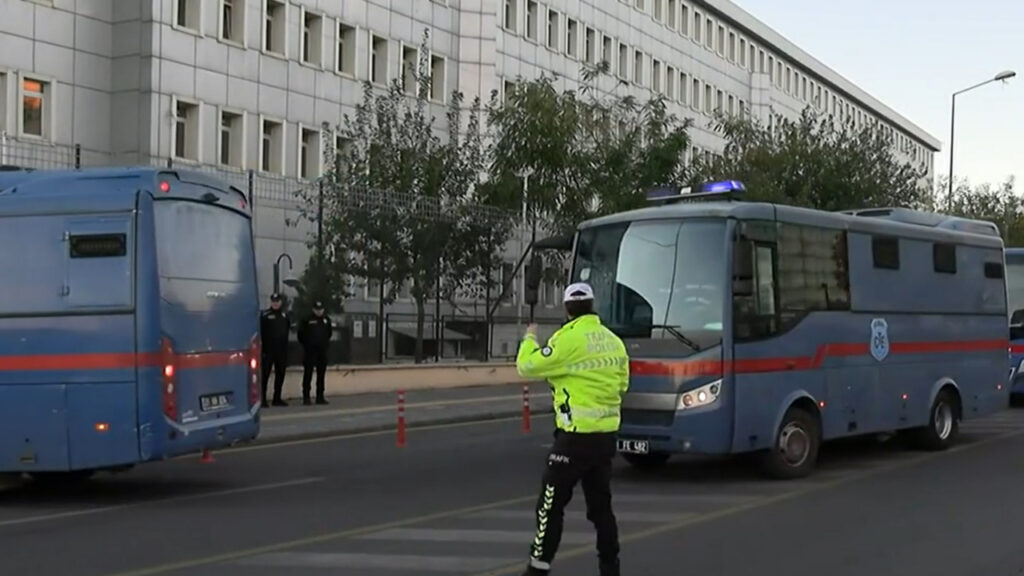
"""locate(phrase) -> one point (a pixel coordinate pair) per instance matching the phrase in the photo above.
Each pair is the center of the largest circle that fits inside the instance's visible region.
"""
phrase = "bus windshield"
(657, 274)
(207, 276)
(1015, 287)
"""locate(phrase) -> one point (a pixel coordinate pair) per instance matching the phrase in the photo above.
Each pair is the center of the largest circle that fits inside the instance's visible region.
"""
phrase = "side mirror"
(534, 273)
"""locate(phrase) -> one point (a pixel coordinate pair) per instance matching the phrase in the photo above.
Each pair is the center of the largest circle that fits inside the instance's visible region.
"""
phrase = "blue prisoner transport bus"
(1015, 305)
(129, 319)
(756, 327)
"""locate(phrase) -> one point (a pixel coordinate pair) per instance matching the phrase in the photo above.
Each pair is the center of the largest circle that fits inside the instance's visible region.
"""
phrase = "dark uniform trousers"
(315, 357)
(275, 358)
(587, 459)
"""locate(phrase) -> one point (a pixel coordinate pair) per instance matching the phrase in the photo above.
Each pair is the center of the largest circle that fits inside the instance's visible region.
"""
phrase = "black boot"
(609, 568)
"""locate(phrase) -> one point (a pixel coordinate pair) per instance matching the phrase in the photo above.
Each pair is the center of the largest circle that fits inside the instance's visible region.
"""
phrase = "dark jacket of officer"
(274, 328)
(315, 332)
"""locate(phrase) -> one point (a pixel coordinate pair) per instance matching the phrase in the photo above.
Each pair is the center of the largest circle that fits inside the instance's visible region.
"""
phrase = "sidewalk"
(379, 411)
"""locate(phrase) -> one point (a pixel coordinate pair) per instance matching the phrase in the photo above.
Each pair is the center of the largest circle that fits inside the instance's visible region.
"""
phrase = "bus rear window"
(202, 242)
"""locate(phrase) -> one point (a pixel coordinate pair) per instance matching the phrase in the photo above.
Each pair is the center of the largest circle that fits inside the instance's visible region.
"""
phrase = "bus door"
(101, 396)
(1015, 306)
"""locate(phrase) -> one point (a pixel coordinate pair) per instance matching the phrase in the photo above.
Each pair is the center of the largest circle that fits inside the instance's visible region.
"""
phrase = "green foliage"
(997, 204)
(585, 154)
(813, 161)
(322, 280)
(404, 199)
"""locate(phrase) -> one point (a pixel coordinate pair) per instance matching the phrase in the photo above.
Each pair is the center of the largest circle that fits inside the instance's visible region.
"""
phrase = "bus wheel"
(943, 423)
(647, 461)
(795, 452)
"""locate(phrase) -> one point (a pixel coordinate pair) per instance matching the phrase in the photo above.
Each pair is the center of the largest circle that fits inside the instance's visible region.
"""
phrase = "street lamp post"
(1002, 76)
(277, 271)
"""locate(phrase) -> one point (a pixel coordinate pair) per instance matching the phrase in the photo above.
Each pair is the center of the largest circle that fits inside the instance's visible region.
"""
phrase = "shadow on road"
(104, 490)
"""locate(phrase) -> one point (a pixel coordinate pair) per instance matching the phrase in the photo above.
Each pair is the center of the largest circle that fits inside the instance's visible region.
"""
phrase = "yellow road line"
(685, 522)
(389, 408)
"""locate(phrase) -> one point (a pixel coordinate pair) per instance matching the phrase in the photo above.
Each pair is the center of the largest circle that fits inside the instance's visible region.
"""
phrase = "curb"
(481, 417)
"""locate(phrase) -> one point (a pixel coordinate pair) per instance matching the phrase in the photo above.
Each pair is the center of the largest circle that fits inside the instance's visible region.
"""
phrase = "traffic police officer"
(275, 325)
(315, 334)
(588, 369)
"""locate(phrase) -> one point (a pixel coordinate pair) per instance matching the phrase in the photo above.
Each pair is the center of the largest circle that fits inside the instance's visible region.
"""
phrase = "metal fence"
(385, 334)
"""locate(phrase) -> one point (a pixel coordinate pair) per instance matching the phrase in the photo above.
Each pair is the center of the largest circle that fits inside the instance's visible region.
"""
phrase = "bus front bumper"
(703, 430)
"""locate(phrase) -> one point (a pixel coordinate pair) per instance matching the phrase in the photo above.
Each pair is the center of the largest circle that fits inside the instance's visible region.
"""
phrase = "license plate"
(214, 402)
(634, 446)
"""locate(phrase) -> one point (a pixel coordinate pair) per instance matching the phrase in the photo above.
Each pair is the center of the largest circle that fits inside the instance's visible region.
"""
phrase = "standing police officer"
(588, 369)
(275, 325)
(315, 334)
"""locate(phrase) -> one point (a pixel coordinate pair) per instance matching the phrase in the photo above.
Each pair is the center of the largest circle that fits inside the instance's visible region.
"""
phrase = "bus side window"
(753, 290)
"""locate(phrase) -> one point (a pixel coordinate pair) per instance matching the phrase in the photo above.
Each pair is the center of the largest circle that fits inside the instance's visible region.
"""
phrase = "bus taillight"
(170, 389)
(254, 371)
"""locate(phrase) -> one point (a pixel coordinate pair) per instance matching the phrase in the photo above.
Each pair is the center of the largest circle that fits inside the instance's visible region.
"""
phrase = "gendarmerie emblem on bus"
(879, 339)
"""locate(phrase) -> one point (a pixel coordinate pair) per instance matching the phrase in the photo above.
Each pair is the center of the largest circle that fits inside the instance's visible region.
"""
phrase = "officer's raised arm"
(547, 362)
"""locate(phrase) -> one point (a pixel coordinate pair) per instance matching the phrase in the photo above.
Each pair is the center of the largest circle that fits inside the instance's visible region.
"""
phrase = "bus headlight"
(702, 396)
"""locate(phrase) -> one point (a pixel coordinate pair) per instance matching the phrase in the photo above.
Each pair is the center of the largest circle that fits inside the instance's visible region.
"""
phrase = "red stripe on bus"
(1017, 349)
(782, 364)
(108, 361)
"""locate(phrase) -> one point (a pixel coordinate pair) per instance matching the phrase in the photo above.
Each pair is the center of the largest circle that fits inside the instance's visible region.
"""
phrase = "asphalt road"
(456, 500)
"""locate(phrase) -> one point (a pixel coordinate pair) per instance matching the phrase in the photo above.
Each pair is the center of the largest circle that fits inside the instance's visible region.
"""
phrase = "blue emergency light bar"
(725, 188)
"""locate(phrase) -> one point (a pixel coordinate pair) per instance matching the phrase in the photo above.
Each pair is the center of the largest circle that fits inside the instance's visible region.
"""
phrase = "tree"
(586, 153)
(813, 161)
(400, 196)
(997, 204)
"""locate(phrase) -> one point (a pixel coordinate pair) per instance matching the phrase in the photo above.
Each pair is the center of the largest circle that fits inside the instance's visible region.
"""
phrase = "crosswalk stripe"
(621, 516)
(455, 535)
(444, 564)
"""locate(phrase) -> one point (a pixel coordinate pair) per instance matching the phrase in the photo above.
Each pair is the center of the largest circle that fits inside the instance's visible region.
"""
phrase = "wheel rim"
(794, 445)
(943, 420)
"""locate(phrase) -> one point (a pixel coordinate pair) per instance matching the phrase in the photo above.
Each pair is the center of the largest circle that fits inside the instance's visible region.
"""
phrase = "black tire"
(943, 427)
(800, 432)
(647, 461)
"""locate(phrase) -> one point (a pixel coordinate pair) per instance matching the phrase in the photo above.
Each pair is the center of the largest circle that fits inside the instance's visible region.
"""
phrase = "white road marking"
(488, 536)
(621, 516)
(100, 510)
(405, 563)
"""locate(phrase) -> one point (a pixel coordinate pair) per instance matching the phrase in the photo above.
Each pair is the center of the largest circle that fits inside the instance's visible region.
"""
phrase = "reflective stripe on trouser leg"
(543, 516)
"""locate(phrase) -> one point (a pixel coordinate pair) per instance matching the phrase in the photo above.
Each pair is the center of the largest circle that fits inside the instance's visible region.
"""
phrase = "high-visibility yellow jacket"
(588, 369)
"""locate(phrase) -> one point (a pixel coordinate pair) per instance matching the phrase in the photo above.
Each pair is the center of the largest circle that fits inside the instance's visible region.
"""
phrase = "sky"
(912, 55)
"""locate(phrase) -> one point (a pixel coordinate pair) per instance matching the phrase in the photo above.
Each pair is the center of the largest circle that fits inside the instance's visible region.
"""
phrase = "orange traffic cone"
(207, 457)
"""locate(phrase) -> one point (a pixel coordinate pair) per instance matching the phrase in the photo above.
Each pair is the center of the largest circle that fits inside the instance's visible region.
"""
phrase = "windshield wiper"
(674, 330)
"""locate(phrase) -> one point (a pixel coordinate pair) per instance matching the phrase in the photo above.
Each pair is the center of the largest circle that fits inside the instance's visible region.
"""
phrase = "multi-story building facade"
(246, 86)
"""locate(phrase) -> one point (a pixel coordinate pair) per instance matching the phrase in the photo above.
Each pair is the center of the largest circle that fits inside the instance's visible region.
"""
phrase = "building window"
(410, 60)
(695, 94)
(553, 30)
(532, 20)
(659, 10)
(684, 19)
(606, 51)
(590, 46)
(511, 11)
(670, 82)
(3, 101)
(656, 75)
(309, 154)
(721, 40)
(232, 21)
(346, 57)
(732, 47)
(673, 14)
(743, 52)
(186, 14)
(572, 38)
(232, 139)
(640, 5)
(437, 78)
(638, 68)
(708, 93)
(275, 26)
(709, 33)
(378, 59)
(698, 34)
(36, 98)
(623, 61)
(732, 105)
(186, 130)
(271, 146)
(684, 89)
(312, 38)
